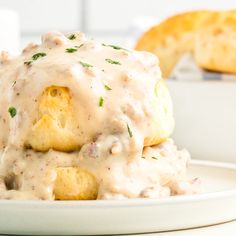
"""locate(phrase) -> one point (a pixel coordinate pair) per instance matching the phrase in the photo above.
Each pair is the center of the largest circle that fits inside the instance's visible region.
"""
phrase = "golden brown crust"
(74, 183)
(216, 51)
(174, 26)
(215, 46)
(55, 119)
(175, 36)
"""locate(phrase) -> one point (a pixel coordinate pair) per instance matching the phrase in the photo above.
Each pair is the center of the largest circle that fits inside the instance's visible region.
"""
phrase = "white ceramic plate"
(217, 205)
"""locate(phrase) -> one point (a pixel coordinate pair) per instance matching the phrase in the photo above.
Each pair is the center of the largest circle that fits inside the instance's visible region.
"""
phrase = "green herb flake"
(35, 57)
(28, 63)
(101, 101)
(129, 131)
(114, 47)
(155, 158)
(143, 157)
(84, 64)
(112, 62)
(107, 87)
(72, 37)
(81, 45)
(13, 84)
(12, 111)
(71, 50)
(38, 55)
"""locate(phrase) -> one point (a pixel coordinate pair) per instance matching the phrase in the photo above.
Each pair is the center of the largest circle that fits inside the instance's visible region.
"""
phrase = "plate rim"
(139, 202)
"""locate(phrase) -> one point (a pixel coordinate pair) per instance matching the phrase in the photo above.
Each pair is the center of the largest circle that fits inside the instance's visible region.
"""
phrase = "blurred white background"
(117, 21)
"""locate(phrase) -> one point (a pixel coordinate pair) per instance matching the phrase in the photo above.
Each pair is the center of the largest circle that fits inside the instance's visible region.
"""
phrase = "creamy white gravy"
(111, 136)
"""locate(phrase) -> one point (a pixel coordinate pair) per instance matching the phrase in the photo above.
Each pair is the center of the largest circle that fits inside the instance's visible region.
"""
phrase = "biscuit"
(55, 123)
(215, 46)
(74, 183)
(173, 37)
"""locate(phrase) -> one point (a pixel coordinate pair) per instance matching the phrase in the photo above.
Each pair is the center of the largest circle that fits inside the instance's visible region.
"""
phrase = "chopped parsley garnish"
(129, 131)
(28, 63)
(72, 37)
(12, 111)
(101, 100)
(84, 64)
(35, 57)
(71, 50)
(112, 62)
(13, 84)
(38, 55)
(107, 87)
(79, 46)
(114, 47)
(155, 158)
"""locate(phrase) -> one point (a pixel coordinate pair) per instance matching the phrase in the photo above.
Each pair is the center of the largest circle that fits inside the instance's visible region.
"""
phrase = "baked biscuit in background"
(207, 35)
(170, 39)
(215, 46)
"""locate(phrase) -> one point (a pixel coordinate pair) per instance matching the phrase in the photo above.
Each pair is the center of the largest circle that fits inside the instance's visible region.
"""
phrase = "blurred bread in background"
(215, 46)
(208, 35)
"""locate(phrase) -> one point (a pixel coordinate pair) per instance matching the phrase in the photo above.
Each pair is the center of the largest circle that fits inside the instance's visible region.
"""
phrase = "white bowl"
(205, 115)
